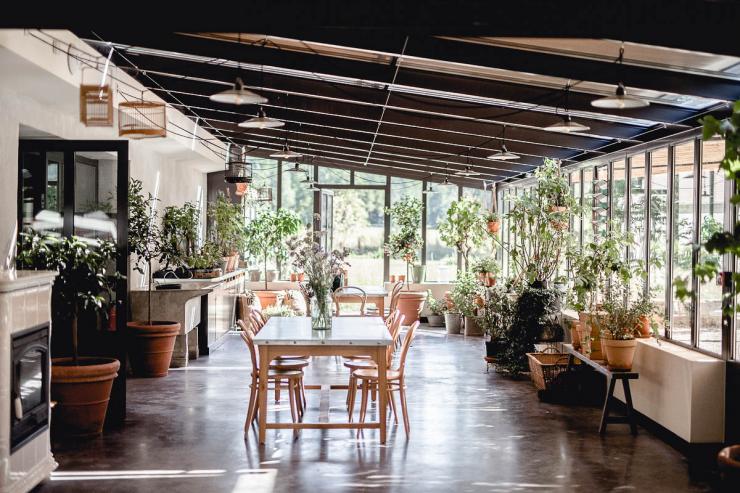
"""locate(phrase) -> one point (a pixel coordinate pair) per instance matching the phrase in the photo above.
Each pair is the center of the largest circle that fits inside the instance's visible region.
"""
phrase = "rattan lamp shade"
(142, 119)
(96, 105)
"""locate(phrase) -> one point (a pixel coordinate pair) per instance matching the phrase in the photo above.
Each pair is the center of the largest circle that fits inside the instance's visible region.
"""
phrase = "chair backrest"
(256, 322)
(248, 338)
(351, 292)
(391, 317)
(395, 332)
(405, 347)
(394, 295)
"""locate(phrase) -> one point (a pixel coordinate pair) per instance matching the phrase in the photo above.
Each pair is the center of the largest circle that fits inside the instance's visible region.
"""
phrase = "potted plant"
(321, 268)
(645, 311)
(266, 236)
(463, 228)
(179, 237)
(464, 294)
(205, 262)
(81, 386)
(151, 341)
(227, 229)
(453, 321)
(437, 309)
(619, 325)
(487, 269)
(493, 222)
(497, 319)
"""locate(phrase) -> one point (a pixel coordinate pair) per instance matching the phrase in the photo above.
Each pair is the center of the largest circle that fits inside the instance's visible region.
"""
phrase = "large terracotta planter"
(619, 353)
(472, 328)
(82, 393)
(151, 346)
(267, 298)
(410, 303)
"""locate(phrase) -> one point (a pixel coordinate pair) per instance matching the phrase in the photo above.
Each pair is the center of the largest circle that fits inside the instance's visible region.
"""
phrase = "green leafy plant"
(227, 225)
(498, 313)
(492, 217)
(84, 283)
(463, 228)
(144, 238)
(464, 292)
(406, 243)
(719, 242)
(437, 307)
(267, 234)
(207, 257)
(179, 234)
(488, 265)
(620, 317)
(278, 311)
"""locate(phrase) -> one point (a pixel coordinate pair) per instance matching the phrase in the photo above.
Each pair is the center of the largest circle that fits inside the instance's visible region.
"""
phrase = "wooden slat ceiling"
(444, 101)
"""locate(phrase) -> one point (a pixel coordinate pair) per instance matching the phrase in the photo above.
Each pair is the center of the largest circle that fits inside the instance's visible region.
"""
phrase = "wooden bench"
(611, 377)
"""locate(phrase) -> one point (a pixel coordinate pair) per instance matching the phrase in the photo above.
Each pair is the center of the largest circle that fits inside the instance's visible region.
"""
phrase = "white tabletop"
(369, 290)
(345, 331)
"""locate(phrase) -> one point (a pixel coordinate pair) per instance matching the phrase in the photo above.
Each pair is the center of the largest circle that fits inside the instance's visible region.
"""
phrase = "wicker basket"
(544, 367)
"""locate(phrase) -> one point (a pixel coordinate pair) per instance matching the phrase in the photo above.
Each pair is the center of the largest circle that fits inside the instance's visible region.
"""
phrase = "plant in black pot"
(497, 319)
(80, 385)
(151, 341)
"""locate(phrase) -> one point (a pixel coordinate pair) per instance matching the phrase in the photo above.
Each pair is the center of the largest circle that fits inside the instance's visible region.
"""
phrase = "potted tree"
(619, 325)
(487, 269)
(265, 237)
(438, 308)
(464, 294)
(151, 341)
(81, 386)
(463, 228)
(405, 244)
(227, 229)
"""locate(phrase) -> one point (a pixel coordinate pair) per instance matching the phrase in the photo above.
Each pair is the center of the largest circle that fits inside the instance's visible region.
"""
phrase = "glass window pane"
(441, 259)
(601, 200)
(637, 216)
(358, 225)
(369, 178)
(95, 195)
(618, 195)
(658, 227)
(264, 175)
(400, 188)
(333, 176)
(295, 195)
(683, 234)
(575, 188)
(42, 195)
(712, 221)
(484, 197)
(505, 208)
(588, 205)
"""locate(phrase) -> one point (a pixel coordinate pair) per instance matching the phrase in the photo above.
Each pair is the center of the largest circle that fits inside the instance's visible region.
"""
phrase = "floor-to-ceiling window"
(400, 188)
(601, 200)
(486, 249)
(295, 195)
(683, 236)
(575, 189)
(441, 259)
(658, 225)
(637, 219)
(619, 195)
(712, 218)
(588, 205)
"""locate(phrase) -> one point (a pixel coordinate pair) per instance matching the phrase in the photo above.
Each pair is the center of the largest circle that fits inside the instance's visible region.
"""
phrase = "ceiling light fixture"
(429, 190)
(447, 183)
(468, 171)
(262, 121)
(620, 100)
(567, 125)
(238, 95)
(286, 153)
(503, 153)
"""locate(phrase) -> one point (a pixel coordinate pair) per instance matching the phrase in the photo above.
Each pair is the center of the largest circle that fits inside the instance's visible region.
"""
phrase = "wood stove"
(29, 389)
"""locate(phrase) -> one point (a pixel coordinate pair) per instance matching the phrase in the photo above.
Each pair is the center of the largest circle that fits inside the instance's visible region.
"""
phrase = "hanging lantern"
(263, 194)
(238, 169)
(142, 119)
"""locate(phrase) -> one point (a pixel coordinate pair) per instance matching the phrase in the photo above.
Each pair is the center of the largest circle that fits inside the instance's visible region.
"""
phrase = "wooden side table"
(611, 379)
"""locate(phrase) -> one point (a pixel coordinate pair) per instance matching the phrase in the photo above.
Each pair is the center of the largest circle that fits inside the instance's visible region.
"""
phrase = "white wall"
(39, 92)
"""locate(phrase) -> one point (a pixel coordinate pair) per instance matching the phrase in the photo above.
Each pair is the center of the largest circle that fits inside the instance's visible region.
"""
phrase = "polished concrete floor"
(470, 431)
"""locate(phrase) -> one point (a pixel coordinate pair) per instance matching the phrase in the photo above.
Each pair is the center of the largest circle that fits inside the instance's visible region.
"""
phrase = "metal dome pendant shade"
(620, 101)
(567, 125)
(286, 153)
(503, 154)
(238, 95)
(468, 171)
(262, 121)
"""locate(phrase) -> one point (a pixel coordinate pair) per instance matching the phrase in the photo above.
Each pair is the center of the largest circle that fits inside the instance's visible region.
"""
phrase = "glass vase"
(321, 312)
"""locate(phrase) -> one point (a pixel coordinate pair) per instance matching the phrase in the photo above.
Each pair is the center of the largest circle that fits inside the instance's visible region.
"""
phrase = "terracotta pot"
(392, 278)
(402, 278)
(472, 328)
(452, 322)
(643, 327)
(589, 324)
(560, 225)
(729, 466)
(575, 335)
(82, 393)
(479, 301)
(448, 300)
(494, 226)
(619, 353)
(410, 303)
(293, 277)
(301, 276)
(267, 298)
(490, 280)
(558, 208)
(150, 347)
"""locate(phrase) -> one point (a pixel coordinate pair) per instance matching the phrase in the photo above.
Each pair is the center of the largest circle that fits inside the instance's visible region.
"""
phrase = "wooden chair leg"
(298, 399)
(404, 408)
(363, 404)
(303, 396)
(351, 393)
(252, 406)
(373, 392)
(392, 403)
(291, 395)
(349, 387)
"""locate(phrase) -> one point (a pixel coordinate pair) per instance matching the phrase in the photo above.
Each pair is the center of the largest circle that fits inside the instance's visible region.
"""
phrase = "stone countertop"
(23, 279)
(213, 280)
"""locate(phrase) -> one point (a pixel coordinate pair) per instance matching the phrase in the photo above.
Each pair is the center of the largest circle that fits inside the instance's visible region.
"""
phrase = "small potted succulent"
(438, 308)
(493, 222)
(81, 292)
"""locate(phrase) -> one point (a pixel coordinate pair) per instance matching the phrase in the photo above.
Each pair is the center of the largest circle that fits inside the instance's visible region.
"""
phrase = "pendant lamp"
(238, 95)
(261, 121)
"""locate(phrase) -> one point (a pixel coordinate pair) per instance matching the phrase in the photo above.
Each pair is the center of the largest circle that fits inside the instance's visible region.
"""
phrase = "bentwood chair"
(291, 374)
(353, 293)
(396, 382)
(366, 362)
(395, 294)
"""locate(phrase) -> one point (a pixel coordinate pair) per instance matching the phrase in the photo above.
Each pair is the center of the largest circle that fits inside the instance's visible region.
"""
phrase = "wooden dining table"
(375, 295)
(348, 336)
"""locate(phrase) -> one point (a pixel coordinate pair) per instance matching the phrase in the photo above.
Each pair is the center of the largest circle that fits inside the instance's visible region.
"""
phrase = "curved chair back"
(256, 322)
(248, 338)
(391, 317)
(354, 293)
(394, 295)
(405, 347)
